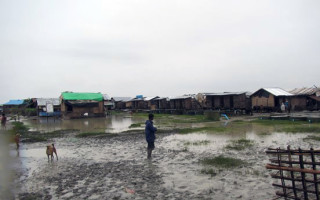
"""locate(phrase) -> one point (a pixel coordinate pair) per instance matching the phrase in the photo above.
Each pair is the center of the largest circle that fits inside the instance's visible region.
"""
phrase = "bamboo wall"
(78, 112)
(298, 103)
(263, 101)
(239, 102)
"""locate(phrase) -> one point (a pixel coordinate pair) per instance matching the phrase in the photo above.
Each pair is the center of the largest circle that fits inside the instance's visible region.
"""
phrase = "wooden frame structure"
(297, 173)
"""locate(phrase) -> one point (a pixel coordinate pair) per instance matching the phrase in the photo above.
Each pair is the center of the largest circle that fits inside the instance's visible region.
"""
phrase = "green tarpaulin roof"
(82, 96)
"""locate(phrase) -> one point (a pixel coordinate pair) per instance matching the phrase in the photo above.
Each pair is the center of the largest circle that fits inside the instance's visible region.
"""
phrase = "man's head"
(150, 116)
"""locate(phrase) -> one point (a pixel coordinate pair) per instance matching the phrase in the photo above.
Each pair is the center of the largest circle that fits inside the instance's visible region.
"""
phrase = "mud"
(117, 168)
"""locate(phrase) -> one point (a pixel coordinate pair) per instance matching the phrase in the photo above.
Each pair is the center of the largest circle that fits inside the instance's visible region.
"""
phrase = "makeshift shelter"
(48, 107)
(225, 100)
(185, 102)
(78, 105)
(121, 103)
(139, 103)
(269, 99)
(159, 103)
(107, 102)
(16, 106)
(305, 99)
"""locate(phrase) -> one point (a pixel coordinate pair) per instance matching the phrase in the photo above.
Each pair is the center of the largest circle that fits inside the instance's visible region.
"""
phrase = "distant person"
(17, 140)
(150, 135)
(3, 121)
(283, 107)
(286, 104)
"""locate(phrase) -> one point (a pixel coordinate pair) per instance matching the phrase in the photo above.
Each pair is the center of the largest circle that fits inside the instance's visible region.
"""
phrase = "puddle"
(107, 168)
(111, 124)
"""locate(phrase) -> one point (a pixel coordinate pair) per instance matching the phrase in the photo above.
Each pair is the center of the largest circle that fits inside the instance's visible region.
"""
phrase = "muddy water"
(117, 168)
(114, 123)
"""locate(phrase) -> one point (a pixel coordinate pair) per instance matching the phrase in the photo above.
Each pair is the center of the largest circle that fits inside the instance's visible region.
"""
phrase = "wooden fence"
(296, 172)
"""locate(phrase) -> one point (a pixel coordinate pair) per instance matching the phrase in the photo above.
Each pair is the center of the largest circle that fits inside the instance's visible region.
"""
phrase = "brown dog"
(50, 150)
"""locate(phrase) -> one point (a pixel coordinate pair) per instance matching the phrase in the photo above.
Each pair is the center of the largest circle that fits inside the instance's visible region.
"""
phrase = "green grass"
(238, 121)
(312, 137)
(263, 133)
(136, 125)
(240, 144)
(175, 118)
(90, 134)
(202, 129)
(222, 162)
(197, 143)
(276, 122)
(302, 129)
(209, 171)
(34, 138)
(19, 127)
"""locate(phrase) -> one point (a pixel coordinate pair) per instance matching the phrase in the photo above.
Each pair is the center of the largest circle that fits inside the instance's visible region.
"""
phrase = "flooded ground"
(104, 167)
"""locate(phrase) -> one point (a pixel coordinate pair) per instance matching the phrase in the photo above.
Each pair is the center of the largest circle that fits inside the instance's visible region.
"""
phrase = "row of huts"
(76, 105)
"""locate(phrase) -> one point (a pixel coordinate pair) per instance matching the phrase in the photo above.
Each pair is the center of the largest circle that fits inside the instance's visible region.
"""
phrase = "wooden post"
(314, 175)
(292, 173)
(303, 176)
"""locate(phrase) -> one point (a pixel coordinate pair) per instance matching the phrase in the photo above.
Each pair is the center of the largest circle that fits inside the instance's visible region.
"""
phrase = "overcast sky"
(160, 47)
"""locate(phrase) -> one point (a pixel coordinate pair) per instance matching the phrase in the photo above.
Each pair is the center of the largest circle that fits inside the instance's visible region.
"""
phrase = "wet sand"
(117, 168)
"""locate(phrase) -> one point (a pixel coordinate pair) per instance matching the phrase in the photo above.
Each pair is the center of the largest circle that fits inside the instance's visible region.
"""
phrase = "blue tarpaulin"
(14, 102)
(45, 114)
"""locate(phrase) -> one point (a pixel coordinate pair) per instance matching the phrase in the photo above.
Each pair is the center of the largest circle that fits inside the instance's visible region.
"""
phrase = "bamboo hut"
(225, 101)
(15, 107)
(269, 99)
(159, 103)
(185, 103)
(305, 99)
(140, 103)
(121, 103)
(79, 105)
(48, 107)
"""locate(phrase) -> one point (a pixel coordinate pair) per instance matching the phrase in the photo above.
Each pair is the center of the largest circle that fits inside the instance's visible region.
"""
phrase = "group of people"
(285, 106)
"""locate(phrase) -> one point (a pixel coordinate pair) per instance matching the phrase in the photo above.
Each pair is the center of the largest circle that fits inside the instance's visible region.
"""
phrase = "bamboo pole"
(292, 173)
(295, 179)
(303, 175)
(294, 162)
(315, 175)
(298, 189)
(311, 171)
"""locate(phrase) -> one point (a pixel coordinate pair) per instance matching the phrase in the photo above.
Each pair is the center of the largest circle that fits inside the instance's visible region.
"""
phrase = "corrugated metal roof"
(305, 91)
(161, 98)
(150, 98)
(121, 98)
(105, 97)
(226, 93)
(182, 97)
(278, 91)
(45, 101)
(275, 91)
(15, 102)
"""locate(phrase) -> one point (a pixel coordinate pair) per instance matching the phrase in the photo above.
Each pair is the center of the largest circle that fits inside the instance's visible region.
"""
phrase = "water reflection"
(115, 123)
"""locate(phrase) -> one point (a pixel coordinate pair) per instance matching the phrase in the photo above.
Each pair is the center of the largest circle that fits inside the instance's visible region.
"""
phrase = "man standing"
(150, 134)
(3, 121)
